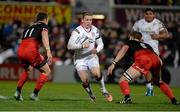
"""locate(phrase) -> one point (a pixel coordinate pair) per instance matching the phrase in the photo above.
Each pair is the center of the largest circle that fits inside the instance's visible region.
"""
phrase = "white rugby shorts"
(87, 62)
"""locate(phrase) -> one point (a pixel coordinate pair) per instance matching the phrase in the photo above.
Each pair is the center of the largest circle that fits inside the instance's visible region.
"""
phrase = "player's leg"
(164, 88)
(81, 67)
(22, 80)
(43, 77)
(126, 77)
(168, 92)
(96, 72)
(93, 65)
(149, 85)
(99, 77)
(85, 83)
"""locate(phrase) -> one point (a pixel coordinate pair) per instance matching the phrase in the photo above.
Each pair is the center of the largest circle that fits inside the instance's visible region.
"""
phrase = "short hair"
(136, 35)
(149, 9)
(86, 14)
(41, 16)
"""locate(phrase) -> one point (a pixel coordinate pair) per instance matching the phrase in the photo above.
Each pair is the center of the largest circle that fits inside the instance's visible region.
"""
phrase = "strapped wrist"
(47, 48)
(114, 62)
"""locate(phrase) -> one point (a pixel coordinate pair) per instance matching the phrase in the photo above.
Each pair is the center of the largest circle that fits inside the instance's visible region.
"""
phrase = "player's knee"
(97, 74)
(46, 71)
(122, 79)
(85, 82)
(99, 77)
(126, 76)
(28, 68)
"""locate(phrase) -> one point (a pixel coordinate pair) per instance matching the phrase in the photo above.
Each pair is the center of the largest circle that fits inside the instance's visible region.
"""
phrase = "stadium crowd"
(141, 2)
(112, 32)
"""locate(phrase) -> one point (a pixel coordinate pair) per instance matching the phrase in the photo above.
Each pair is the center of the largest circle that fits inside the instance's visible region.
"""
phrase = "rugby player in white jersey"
(86, 41)
(152, 31)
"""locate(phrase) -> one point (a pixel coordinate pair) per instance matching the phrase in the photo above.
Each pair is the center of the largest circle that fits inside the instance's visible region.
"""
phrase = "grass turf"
(71, 97)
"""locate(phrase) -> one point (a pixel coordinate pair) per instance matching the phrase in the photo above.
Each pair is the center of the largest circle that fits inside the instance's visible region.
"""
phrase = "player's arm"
(99, 43)
(119, 56)
(45, 41)
(74, 43)
(121, 53)
(163, 33)
(99, 47)
(135, 27)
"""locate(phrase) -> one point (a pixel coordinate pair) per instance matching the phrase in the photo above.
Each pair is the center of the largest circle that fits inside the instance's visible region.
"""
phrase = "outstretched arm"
(121, 53)
(119, 56)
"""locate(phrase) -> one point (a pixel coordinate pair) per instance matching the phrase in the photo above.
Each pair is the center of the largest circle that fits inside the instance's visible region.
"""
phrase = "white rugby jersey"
(148, 28)
(80, 35)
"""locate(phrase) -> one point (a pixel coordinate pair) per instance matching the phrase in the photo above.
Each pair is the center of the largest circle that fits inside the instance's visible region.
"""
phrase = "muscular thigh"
(30, 56)
(83, 75)
(143, 63)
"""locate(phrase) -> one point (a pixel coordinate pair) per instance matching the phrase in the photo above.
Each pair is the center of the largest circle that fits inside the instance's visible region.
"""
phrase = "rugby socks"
(87, 87)
(166, 90)
(40, 82)
(149, 85)
(124, 86)
(22, 80)
(101, 80)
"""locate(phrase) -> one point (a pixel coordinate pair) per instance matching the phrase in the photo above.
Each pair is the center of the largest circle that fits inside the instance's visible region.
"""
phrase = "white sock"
(149, 85)
(103, 88)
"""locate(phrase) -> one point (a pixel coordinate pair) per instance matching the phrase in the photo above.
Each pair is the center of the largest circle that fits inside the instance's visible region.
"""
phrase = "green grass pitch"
(72, 97)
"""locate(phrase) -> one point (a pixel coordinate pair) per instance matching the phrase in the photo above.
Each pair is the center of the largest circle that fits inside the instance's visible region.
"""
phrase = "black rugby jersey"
(136, 46)
(34, 31)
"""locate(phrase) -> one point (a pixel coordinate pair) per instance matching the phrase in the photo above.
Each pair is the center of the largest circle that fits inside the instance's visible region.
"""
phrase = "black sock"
(99, 78)
(173, 100)
(87, 87)
(36, 91)
(19, 89)
(127, 96)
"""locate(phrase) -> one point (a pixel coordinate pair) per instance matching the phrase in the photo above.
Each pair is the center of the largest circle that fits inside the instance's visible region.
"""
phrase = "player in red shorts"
(33, 38)
(145, 61)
